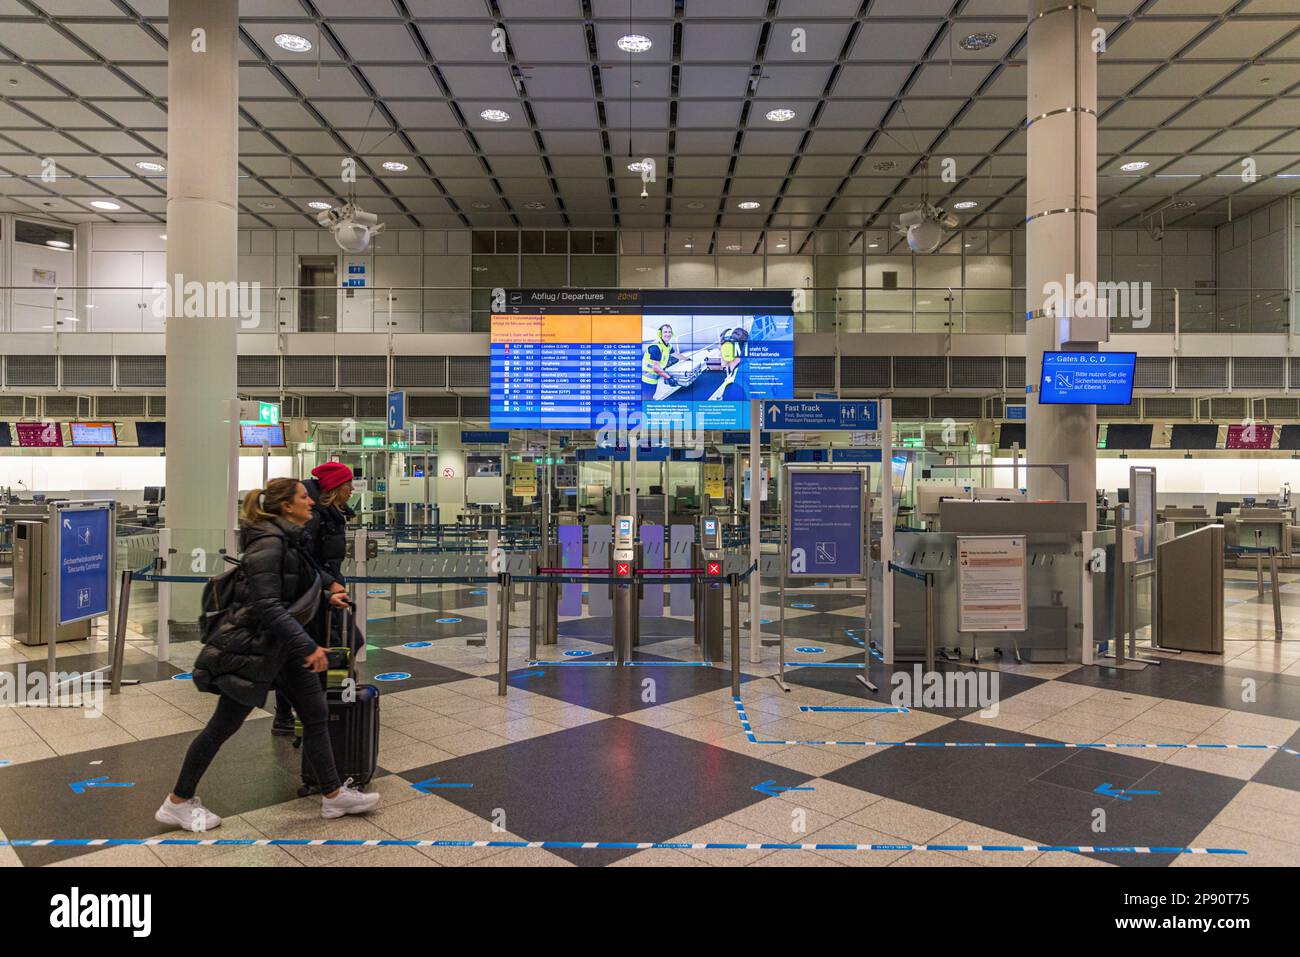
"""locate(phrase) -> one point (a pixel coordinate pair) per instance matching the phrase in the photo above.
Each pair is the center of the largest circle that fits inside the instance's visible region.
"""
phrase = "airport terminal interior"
(806, 433)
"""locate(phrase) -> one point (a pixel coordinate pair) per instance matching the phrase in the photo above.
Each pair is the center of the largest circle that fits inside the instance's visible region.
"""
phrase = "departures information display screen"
(690, 359)
(1087, 378)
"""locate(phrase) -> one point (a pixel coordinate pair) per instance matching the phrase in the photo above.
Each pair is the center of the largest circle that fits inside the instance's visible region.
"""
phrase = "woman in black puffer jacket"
(329, 488)
(264, 644)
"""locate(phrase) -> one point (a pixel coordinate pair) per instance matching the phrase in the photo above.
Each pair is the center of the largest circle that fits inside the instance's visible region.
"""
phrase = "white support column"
(202, 216)
(1061, 228)
(451, 488)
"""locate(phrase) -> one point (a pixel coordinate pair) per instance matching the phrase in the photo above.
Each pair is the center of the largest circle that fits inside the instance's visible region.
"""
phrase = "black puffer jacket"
(277, 595)
(328, 529)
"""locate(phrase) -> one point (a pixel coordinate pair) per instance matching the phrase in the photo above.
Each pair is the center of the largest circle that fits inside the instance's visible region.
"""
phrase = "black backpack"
(219, 597)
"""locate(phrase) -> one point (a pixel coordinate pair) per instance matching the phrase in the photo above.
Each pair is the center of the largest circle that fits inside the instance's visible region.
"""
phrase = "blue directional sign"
(84, 544)
(1015, 412)
(396, 411)
(1087, 378)
(827, 524)
(485, 438)
(798, 415)
(742, 438)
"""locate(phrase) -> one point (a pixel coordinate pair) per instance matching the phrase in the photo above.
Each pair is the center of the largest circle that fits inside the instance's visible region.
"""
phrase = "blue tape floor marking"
(753, 739)
(628, 664)
(882, 710)
(605, 845)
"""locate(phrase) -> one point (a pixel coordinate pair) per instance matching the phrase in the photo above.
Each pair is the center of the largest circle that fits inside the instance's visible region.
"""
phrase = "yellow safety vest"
(729, 351)
(648, 374)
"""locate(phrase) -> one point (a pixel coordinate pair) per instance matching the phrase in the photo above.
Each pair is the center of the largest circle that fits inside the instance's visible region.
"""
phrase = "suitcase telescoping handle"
(347, 641)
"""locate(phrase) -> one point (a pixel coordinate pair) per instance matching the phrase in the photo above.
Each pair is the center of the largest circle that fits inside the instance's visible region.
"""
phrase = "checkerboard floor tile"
(657, 753)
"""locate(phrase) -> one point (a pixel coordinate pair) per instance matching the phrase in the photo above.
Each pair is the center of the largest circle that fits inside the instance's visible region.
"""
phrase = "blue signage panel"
(1087, 378)
(855, 455)
(799, 414)
(84, 543)
(1015, 412)
(742, 438)
(485, 438)
(396, 411)
(827, 525)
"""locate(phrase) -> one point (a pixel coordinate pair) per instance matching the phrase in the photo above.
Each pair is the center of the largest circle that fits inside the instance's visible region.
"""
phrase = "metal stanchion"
(733, 580)
(119, 639)
(1277, 598)
(534, 593)
(1259, 563)
(503, 626)
(929, 622)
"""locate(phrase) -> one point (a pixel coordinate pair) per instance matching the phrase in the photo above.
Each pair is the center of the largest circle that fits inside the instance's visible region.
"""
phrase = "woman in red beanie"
(330, 487)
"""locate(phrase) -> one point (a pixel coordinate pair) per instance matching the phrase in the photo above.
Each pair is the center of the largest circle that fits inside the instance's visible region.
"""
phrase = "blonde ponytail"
(262, 504)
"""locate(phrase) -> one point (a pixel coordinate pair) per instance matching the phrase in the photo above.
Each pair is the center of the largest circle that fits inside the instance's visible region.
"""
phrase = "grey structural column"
(1060, 229)
(202, 217)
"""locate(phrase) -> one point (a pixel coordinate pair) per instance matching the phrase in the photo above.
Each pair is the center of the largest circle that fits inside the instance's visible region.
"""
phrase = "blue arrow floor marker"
(771, 789)
(81, 787)
(832, 709)
(1124, 794)
(430, 783)
(607, 845)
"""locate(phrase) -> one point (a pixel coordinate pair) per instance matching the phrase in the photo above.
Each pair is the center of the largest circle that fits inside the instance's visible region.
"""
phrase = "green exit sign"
(372, 441)
(400, 446)
(268, 413)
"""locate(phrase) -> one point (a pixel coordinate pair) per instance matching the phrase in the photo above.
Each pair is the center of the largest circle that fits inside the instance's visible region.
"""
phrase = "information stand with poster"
(992, 583)
(523, 479)
(826, 532)
(81, 575)
(715, 480)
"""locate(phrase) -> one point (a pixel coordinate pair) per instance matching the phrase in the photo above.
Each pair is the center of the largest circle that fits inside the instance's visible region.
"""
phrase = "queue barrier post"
(734, 581)
(503, 626)
(1277, 598)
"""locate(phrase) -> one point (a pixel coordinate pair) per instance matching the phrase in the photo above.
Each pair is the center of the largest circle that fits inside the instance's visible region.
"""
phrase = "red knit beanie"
(331, 475)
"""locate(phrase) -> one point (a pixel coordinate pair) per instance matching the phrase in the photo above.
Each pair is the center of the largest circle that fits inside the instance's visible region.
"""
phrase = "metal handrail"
(461, 316)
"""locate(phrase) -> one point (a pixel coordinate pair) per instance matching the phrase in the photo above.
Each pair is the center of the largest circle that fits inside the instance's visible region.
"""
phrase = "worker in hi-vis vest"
(655, 360)
(732, 351)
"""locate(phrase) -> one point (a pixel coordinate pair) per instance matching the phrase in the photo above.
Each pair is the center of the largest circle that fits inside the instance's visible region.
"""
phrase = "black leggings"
(303, 688)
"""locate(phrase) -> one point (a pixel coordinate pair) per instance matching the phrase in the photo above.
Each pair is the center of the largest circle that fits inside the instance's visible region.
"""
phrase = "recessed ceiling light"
(748, 204)
(634, 43)
(780, 116)
(495, 116)
(695, 204)
(872, 245)
(292, 42)
(968, 245)
(1134, 166)
(104, 204)
(265, 205)
(395, 166)
(58, 244)
(150, 167)
(481, 205)
(884, 166)
(965, 204)
(689, 245)
(317, 204)
(780, 245)
(1183, 204)
(638, 167)
(162, 235)
(534, 205)
(733, 248)
(979, 41)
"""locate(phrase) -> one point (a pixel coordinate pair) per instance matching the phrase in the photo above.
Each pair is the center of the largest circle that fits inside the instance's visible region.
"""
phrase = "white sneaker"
(348, 800)
(189, 815)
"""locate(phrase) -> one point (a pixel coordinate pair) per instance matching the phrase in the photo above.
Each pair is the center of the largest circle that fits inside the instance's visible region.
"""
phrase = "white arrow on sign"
(773, 412)
(67, 523)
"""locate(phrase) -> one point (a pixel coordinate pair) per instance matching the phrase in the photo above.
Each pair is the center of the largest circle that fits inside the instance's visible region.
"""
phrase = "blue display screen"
(619, 359)
(1087, 378)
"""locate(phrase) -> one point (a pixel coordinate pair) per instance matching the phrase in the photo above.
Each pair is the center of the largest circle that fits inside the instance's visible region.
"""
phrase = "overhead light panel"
(1134, 166)
(292, 42)
(748, 204)
(104, 204)
(395, 167)
(58, 244)
(149, 167)
(634, 43)
(534, 205)
(495, 116)
(965, 204)
(265, 205)
(780, 116)
(318, 204)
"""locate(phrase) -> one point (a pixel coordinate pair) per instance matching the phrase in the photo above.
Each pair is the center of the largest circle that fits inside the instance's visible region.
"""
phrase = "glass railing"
(1135, 308)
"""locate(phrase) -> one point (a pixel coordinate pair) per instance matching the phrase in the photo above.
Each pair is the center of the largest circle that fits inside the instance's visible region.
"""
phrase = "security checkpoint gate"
(708, 590)
(627, 612)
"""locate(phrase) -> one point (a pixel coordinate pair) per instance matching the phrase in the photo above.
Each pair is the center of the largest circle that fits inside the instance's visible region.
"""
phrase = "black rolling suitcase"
(353, 719)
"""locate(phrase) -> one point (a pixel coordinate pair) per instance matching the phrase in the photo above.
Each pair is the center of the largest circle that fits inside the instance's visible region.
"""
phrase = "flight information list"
(563, 371)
